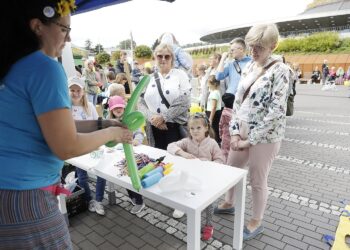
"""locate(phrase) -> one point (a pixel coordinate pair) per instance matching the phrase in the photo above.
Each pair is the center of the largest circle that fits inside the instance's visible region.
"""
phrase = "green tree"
(88, 44)
(115, 56)
(143, 51)
(102, 58)
(126, 44)
(98, 48)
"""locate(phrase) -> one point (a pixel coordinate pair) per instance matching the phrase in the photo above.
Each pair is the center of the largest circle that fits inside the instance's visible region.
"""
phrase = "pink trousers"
(259, 158)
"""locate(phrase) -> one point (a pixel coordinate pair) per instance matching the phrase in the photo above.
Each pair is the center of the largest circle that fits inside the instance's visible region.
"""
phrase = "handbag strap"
(237, 68)
(261, 73)
(165, 101)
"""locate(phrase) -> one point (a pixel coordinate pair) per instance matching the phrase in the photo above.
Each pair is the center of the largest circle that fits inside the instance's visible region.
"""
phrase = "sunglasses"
(163, 57)
(65, 28)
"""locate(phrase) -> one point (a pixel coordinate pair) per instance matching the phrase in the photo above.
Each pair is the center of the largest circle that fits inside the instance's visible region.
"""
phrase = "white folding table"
(215, 180)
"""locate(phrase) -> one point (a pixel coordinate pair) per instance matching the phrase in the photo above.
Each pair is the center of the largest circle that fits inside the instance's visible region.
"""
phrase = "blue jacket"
(231, 72)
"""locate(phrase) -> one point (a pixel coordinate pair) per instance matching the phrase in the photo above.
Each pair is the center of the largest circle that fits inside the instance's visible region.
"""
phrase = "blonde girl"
(201, 145)
(84, 110)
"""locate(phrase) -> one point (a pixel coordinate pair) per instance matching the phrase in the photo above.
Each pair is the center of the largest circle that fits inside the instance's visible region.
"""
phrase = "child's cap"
(228, 99)
(76, 81)
(116, 102)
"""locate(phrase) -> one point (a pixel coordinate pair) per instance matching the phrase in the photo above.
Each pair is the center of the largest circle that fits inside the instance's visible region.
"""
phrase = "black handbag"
(290, 105)
(182, 127)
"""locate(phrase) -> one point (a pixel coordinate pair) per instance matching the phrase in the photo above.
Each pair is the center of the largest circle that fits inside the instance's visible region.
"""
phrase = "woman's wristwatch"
(99, 123)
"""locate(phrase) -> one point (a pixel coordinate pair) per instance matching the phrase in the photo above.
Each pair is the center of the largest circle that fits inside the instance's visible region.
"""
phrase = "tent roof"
(89, 5)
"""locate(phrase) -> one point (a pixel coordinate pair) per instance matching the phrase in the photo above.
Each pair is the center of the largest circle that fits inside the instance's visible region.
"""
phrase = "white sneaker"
(99, 208)
(92, 206)
(177, 214)
(133, 201)
(137, 208)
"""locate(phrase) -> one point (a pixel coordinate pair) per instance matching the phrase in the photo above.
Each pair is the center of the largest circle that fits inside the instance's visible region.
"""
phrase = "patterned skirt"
(30, 219)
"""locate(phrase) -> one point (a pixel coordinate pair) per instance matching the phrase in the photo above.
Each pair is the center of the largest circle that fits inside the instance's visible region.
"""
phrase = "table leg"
(193, 230)
(240, 190)
(111, 193)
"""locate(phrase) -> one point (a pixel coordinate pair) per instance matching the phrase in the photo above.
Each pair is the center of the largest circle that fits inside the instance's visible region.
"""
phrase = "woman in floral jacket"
(258, 121)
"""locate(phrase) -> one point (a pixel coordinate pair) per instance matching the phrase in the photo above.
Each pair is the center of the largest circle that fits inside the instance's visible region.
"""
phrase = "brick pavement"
(307, 184)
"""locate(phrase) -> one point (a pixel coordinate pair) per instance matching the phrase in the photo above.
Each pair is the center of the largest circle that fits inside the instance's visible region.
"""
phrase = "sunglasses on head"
(166, 57)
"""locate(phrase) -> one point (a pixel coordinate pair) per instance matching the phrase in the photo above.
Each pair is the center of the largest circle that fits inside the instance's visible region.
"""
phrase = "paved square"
(308, 184)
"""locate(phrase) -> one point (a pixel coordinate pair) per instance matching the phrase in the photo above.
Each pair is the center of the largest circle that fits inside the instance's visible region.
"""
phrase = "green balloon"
(133, 120)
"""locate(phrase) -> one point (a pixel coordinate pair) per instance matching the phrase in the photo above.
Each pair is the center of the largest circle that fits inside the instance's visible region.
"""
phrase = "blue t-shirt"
(35, 84)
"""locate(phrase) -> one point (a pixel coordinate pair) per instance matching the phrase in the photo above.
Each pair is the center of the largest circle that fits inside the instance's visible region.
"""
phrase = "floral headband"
(63, 8)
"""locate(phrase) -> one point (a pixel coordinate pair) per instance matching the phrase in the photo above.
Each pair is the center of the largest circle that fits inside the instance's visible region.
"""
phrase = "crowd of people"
(243, 94)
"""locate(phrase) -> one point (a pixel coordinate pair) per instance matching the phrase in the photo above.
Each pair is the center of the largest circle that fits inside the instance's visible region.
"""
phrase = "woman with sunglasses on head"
(37, 128)
(166, 100)
(258, 120)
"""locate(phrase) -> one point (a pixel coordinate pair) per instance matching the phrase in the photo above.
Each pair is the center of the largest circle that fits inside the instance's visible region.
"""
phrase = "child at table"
(84, 110)
(200, 144)
(116, 110)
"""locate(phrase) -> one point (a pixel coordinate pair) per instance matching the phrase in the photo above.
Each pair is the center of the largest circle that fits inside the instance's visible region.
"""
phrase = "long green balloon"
(133, 120)
(128, 149)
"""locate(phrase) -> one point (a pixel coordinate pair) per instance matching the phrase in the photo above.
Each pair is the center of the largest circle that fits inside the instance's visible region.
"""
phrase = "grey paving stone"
(89, 221)
(106, 246)
(108, 223)
(147, 247)
(294, 242)
(83, 229)
(282, 217)
(133, 228)
(268, 247)
(122, 222)
(300, 217)
(316, 243)
(172, 241)
(87, 245)
(323, 225)
(295, 210)
(312, 234)
(76, 237)
(257, 244)
(280, 211)
(120, 231)
(75, 247)
(114, 239)
(135, 241)
(273, 234)
(165, 246)
(155, 231)
(151, 239)
(272, 242)
(304, 225)
(127, 246)
(290, 233)
(95, 238)
(317, 217)
(289, 247)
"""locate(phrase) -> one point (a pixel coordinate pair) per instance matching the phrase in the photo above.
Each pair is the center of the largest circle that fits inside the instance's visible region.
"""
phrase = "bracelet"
(99, 123)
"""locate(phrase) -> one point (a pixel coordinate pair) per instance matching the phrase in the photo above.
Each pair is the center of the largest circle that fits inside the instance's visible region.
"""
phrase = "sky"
(188, 20)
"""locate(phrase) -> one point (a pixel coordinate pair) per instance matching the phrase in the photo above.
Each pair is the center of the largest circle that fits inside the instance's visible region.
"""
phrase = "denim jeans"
(83, 182)
(92, 98)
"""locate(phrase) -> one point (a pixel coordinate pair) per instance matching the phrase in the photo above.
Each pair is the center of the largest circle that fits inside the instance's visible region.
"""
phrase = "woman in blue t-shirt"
(37, 128)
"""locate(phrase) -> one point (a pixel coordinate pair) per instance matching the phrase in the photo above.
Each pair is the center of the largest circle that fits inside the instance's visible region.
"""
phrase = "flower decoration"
(65, 7)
